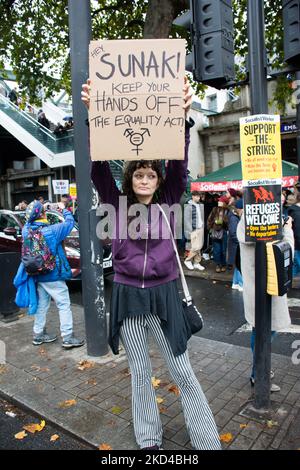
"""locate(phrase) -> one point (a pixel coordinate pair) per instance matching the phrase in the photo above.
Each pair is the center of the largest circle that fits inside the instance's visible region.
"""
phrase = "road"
(222, 310)
(12, 420)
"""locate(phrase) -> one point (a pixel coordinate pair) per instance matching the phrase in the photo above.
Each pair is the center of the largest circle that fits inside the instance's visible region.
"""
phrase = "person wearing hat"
(217, 223)
(53, 284)
(194, 231)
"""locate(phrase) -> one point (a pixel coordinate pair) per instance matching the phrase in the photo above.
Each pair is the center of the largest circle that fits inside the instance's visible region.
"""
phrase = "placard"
(73, 191)
(60, 186)
(262, 176)
(136, 99)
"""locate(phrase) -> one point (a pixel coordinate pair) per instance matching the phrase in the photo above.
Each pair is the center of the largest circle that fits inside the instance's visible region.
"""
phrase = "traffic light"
(211, 26)
(291, 31)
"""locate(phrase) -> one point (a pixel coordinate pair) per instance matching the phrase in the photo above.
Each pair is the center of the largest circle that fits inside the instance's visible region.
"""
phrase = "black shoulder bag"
(191, 311)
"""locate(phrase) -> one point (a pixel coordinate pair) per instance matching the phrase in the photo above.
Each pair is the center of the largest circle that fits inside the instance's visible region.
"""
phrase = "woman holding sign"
(145, 296)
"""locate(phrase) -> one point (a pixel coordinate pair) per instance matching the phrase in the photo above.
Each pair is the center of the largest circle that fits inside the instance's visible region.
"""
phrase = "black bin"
(9, 263)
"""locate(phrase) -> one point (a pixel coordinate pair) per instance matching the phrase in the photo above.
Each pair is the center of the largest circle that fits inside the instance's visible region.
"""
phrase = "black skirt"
(163, 301)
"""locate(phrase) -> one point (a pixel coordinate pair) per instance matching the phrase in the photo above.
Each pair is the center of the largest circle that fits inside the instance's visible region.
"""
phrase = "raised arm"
(176, 174)
(101, 173)
(104, 183)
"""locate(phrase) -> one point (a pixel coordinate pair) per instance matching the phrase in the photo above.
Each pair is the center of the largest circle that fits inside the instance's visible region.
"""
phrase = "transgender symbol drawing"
(136, 138)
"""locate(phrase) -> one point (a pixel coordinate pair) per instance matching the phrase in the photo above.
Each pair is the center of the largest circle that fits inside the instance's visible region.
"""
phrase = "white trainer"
(199, 266)
(274, 388)
(189, 264)
(235, 286)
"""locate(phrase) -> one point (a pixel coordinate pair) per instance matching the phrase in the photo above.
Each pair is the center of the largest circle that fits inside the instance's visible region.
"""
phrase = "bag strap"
(186, 291)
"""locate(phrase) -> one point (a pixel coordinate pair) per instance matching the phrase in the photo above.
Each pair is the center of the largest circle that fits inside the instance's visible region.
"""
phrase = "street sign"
(262, 176)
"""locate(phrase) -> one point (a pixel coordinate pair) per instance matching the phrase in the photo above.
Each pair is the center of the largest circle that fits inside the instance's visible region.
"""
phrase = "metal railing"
(37, 130)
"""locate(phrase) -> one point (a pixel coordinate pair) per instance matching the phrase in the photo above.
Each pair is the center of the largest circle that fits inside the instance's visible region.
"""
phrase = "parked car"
(11, 223)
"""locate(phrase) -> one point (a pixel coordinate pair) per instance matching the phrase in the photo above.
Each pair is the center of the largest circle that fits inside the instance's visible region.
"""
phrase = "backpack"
(36, 255)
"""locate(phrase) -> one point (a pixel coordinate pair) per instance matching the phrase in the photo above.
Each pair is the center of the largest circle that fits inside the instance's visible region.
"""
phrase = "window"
(6, 221)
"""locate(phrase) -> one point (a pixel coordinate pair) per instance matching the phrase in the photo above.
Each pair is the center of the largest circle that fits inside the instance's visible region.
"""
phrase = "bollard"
(9, 263)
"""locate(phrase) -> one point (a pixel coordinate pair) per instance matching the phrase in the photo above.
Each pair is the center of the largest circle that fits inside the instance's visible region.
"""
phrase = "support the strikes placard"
(262, 176)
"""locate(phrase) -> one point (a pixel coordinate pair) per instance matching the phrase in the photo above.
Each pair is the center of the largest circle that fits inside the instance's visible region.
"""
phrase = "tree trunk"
(160, 15)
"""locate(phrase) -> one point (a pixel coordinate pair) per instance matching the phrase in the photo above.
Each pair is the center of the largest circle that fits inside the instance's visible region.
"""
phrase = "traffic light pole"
(91, 252)
(298, 127)
(259, 104)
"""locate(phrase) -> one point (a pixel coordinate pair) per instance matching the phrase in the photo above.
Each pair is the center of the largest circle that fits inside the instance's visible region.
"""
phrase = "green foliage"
(273, 42)
(34, 39)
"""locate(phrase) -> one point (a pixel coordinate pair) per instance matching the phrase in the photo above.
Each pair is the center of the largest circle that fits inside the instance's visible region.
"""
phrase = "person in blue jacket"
(52, 285)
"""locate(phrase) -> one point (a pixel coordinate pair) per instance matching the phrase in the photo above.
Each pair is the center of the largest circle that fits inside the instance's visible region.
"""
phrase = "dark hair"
(131, 167)
(195, 193)
(65, 195)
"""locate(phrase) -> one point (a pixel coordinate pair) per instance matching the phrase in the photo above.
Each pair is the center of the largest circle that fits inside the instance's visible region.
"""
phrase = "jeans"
(252, 342)
(237, 278)
(219, 250)
(296, 265)
(59, 292)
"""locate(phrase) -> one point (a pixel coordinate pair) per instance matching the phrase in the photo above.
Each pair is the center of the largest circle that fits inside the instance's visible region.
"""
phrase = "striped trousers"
(146, 419)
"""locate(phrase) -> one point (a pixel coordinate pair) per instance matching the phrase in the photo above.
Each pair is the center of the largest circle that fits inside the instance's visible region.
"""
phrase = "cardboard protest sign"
(136, 99)
(262, 176)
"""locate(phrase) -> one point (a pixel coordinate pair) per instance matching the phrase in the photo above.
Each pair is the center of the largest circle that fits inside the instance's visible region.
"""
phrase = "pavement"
(90, 397)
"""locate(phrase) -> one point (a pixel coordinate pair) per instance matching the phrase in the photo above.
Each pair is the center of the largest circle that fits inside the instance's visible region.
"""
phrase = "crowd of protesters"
(211, 230)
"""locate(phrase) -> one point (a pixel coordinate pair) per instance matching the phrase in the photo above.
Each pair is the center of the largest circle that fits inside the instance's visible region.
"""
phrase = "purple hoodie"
(144, 262)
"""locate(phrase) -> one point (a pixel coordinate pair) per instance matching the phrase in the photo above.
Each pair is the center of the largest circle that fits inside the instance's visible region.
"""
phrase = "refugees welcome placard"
(136, 99)
(262, 176)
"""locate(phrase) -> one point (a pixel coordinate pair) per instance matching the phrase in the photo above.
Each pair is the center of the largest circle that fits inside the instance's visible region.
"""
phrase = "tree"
(273, 42)
(34, 36)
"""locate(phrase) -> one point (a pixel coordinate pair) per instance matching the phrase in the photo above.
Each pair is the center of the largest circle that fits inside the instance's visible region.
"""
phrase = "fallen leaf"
(271, 423)
(155, 382)
(39, 369)
(91, 382)
(67, 403)
(126, 372)
(84, 365)
(159, 400)
(35, 427)
(243, 426)
(104, 447)
(226, 437)
(54, 437)
(174, 389)
(116, 410)
(162, 409)
(20, 435)
(21, 315)
(3, 369)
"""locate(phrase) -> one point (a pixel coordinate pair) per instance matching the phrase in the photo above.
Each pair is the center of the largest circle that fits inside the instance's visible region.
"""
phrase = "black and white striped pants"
(199, 420)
